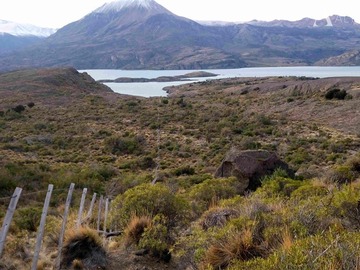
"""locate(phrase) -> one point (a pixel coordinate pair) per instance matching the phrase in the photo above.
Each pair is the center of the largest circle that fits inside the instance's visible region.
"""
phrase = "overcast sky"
(57, 13)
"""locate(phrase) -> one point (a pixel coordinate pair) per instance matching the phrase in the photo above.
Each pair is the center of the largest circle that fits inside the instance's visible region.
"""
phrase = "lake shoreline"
(153, 88)
(183, 78)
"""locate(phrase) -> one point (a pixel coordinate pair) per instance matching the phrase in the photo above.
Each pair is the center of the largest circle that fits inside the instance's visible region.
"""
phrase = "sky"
(58, 13)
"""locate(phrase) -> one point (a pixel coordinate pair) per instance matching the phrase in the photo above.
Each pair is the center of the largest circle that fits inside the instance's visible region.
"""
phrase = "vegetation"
(116, 146)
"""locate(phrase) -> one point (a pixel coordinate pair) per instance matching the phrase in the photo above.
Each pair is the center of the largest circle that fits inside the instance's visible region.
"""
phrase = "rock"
(250, 166)
(141, 252)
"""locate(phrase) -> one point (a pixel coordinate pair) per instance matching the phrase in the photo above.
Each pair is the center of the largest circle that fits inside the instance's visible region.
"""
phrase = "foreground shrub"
(148, 200)
(156, 239)
(341, 175)
(236, 247)
(84, 248)
(345, 206)
(322, 251)
(210, 190)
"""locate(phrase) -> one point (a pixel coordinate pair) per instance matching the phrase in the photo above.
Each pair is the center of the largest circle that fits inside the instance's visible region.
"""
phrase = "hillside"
(71, 129)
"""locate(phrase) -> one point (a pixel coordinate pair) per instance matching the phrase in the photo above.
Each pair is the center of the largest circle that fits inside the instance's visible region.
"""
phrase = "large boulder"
(250, 166)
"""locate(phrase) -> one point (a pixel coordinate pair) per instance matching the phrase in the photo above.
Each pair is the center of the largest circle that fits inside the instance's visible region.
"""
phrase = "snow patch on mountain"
(117, 6)
(18, 29)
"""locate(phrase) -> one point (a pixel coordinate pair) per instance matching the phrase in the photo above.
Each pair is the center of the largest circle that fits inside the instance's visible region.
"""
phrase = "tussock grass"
(136, 228)
(238, 246)
(83, 246)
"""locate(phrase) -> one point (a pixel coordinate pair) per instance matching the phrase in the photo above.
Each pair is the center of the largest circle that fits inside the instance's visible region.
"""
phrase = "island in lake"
(185, 77)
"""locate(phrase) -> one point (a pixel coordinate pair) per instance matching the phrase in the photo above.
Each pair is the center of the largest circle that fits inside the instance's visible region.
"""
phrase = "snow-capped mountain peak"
(18, 29)
(119, 5)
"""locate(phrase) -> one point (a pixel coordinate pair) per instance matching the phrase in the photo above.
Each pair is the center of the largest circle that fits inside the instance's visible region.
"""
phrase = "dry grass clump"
(287, 239)
(83, 247)
(236, 247)
(135, 229)
(77, 265)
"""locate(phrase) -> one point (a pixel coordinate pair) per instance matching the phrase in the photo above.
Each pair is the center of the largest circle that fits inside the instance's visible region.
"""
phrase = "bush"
(342, 174)
(31, 104)
(309, 190)
(187, 170)
(148, 200)
(124, 145)
(323, 251)
(278, 184)
(156, 238)
(19, 108)
(28, 218)
(206, 192)
(336, 94)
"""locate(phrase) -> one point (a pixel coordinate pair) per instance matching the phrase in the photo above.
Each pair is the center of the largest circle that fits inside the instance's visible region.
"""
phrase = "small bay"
(151, 89)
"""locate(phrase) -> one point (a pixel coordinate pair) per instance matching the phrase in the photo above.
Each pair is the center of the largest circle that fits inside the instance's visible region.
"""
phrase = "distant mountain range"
(15, 36)
(141, 34)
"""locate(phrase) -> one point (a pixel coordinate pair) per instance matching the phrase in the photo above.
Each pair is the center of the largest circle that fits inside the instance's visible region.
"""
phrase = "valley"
(73, 129)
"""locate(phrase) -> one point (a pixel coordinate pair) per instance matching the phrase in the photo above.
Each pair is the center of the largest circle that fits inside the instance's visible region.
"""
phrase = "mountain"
(18, 29)
(129, 34)
(16, 36)
(141, 34)
(335, 21)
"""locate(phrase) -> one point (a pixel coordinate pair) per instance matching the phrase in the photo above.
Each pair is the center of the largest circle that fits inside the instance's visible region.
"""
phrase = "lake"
(151, 89)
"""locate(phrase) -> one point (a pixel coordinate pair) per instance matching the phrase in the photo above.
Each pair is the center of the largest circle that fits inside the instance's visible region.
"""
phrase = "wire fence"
(82, 218)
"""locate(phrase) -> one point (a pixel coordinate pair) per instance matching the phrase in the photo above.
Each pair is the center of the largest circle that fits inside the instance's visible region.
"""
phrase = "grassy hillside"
(59, 126)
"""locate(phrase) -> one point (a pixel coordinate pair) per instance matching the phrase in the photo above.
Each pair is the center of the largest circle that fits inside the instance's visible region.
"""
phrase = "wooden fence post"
(81, 208)
(8, 217)
(106, 214)
(99, 212)
(63, 227)
(89, 214)
(41, 227)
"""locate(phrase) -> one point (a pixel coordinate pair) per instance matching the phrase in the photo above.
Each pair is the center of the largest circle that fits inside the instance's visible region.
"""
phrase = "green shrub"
(278, 184)
(309, 190)
(188, 181)
(336, 94)
(345, 206)
(155, 238)
(342, 174)
(28, 218)
(148, 200)
(206, 192)
(187, 170)
(322, 251)
(124, 145)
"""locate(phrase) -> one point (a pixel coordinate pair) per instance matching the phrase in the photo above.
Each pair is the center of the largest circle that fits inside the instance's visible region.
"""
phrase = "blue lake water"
(151, 89)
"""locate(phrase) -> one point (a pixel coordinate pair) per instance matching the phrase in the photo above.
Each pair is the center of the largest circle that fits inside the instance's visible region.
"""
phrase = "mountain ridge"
(22, 29)
(330, 21)
(141, 34)
(17, 36)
